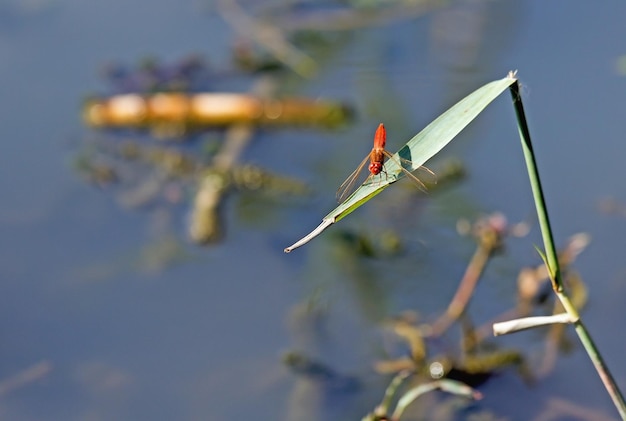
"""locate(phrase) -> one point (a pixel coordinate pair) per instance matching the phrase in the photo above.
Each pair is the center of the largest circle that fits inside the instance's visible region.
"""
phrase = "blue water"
(202, 338)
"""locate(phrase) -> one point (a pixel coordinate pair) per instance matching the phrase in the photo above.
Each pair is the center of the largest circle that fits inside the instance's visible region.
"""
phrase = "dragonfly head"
(375, 168)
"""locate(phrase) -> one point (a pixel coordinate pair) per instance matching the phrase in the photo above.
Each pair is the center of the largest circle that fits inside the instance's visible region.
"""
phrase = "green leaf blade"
(426, 144)
(418, 150)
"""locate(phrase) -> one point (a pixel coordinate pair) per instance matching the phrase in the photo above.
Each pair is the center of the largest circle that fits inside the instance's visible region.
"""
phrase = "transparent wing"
(423, 175)
(347, 187)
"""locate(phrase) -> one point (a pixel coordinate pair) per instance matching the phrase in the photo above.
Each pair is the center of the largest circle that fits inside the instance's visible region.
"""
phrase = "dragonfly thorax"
(377, 158)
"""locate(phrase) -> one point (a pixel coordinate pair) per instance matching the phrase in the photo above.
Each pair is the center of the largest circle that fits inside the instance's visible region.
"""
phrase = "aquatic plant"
(429, 142)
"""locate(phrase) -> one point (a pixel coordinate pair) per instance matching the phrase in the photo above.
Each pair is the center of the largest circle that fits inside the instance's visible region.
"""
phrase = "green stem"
(552, 260)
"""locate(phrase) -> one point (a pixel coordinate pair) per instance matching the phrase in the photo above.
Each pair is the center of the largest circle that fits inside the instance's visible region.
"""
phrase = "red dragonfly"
(377, 159)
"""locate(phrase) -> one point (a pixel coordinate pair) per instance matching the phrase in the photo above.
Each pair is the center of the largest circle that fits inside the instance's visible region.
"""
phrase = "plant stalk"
(552, 260)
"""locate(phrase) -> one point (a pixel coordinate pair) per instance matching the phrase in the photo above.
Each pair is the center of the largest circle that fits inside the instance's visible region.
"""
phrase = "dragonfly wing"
(347, 186)
(426, 176)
